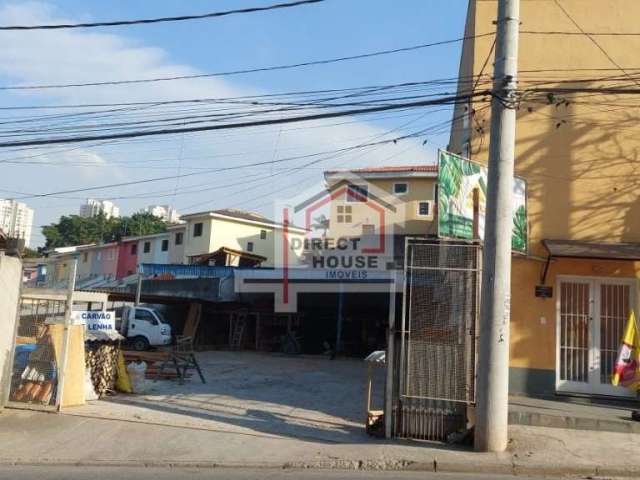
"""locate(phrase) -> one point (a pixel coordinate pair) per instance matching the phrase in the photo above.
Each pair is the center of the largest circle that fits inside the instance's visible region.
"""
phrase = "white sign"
(96, 321)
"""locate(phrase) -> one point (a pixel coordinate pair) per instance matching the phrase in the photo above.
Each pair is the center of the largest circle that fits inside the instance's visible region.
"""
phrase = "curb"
(496, 468)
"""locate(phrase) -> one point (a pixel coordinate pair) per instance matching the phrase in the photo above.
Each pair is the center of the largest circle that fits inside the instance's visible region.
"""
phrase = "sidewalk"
(28, 437)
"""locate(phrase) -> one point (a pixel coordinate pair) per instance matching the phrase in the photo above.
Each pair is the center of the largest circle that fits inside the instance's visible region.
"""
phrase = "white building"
(165, 212)
(16, 220)
(92, 208)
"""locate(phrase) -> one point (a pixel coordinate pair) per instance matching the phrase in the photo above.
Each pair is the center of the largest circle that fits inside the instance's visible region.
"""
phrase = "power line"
(249, 70)
(236, 167)
(246, 98)
(593, 40)
(180, 18)
(577, 34)
(252, 123)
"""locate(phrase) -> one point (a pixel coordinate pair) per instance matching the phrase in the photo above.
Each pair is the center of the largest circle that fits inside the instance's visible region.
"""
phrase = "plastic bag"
(136, 371)
(123, 383)
(89, 391)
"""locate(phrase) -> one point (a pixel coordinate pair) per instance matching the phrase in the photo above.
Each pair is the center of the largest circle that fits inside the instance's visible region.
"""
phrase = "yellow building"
(206, 232)
(578, 153)
(412, 187)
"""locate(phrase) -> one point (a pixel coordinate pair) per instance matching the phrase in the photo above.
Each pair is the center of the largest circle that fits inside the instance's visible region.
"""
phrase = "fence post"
(66, 333)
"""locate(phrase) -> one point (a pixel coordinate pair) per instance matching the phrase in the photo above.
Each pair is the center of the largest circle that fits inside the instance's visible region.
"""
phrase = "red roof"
(391, 169)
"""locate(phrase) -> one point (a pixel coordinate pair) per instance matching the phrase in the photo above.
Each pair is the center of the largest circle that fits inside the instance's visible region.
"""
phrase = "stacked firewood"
(102, 360)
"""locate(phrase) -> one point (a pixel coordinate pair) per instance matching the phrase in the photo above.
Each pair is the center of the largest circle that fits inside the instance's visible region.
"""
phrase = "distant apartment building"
(16, 220)
(93, 208)
(165, 212)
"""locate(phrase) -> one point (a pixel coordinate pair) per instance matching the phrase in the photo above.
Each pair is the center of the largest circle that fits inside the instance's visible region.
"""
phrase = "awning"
(593, 250)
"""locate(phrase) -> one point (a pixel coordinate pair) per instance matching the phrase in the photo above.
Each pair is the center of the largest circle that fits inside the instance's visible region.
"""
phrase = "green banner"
(458, 178)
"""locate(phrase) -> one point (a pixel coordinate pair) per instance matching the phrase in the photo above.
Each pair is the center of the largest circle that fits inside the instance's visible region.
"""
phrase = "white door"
(591, 317)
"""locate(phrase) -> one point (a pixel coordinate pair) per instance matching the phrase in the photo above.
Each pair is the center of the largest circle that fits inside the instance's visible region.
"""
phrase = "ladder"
(238, 329)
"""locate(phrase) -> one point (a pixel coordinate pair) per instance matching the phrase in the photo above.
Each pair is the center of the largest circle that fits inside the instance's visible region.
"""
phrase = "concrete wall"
(198, 245)
(235, 234)
(127, 261)
(580, 161)
(176, 252)
(105, 261)
(10, 277)
(155, 254)
(85, 260)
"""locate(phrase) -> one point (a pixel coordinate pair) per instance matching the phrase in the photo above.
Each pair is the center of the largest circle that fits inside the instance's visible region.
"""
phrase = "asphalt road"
(113, 473)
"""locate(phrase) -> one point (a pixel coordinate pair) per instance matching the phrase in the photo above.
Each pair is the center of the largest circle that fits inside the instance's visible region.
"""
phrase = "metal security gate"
(437, 351)
(592, 314)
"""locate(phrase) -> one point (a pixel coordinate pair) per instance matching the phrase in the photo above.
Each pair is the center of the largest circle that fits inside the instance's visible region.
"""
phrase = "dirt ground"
(306, 397)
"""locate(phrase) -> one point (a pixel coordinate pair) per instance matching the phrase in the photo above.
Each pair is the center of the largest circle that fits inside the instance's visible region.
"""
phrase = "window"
(99, 255)
(357, 193)
(147, 247)
(249, 246)
(146, 316)
(400, 188)
(424, 209)
(344, 214)
(165, 245)
(368, 229)
(179, 238)
(134, 249)
(197, 229)
(263, 234)
(85, 257)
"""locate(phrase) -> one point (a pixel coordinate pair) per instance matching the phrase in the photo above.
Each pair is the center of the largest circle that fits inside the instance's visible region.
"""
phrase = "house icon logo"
(337, 237)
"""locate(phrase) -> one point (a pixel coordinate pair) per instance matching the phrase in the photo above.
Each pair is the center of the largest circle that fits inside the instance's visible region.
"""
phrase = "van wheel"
(140, 344)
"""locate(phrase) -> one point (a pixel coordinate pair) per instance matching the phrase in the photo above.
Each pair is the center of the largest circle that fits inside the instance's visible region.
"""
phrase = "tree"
(75, 230)
(30, 253)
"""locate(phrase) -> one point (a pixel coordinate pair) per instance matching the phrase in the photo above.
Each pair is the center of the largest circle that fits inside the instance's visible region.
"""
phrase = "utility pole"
(492, 400)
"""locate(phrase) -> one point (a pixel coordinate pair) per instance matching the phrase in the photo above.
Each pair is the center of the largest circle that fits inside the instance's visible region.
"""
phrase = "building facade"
(574, 288)
(92, 208)
(206, 232)
(16, 220)
(127, 258)
(177, 239)
(414, 186)
(153, 248)
(99, 260)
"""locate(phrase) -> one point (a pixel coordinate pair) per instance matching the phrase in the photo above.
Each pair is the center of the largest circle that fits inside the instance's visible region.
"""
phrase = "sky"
(333, 28)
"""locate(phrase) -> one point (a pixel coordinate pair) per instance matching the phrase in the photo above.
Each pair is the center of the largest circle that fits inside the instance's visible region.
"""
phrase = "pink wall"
(109, 260)
(127, 261)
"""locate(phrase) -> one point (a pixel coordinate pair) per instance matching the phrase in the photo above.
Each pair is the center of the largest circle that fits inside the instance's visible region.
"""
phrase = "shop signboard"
(458, 179)
(96, 321)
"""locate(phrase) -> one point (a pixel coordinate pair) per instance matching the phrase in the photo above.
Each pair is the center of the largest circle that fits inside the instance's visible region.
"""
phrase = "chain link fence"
(437, 354)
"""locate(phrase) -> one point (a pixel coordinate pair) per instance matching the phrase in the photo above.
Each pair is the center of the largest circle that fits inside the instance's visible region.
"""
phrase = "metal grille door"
(438, 341)
(592, 314)
(614, 312)
(575, 312)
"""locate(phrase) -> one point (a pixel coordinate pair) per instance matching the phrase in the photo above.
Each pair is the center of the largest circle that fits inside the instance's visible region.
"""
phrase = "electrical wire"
(252, 123)
(147, 21)
(249, 70)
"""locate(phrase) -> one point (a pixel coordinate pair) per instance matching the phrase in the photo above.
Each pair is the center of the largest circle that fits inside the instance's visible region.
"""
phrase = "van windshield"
(160, 317)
